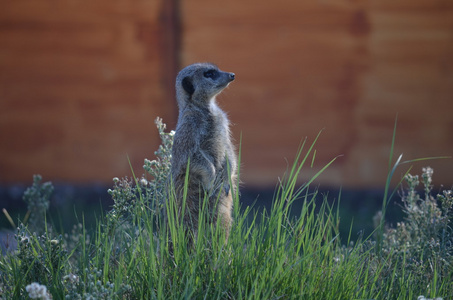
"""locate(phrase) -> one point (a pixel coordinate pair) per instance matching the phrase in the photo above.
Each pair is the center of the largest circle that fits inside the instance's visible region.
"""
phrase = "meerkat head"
(200, 83)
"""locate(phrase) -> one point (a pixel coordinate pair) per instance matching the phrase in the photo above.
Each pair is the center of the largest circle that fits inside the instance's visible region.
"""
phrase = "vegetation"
(134, 254)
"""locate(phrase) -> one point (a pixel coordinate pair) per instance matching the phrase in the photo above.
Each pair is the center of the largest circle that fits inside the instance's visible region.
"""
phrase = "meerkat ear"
(188, 86)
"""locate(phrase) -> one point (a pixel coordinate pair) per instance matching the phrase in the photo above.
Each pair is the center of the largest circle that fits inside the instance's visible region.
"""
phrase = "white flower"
(421, 297)
(428, 170)
(143, 182)
(74, 279)
(37, 291)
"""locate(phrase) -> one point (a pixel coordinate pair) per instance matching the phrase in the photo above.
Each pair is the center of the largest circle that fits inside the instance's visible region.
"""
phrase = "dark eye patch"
(187, 85)
(213, 74)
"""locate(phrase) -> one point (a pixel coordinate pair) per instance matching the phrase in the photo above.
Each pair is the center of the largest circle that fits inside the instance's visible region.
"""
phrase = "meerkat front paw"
(208, 178)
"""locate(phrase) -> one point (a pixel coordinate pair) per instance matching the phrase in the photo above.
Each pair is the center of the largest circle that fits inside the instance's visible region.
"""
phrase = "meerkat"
(202, 141)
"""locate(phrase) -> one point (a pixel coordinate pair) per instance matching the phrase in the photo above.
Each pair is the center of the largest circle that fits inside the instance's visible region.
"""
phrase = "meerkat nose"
(231, 76)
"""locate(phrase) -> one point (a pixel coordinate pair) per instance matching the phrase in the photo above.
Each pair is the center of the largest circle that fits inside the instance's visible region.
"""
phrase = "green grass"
(134, 254)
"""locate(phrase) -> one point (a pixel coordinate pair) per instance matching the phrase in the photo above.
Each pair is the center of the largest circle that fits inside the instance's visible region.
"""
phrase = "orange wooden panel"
(345, 66)
(80, 86)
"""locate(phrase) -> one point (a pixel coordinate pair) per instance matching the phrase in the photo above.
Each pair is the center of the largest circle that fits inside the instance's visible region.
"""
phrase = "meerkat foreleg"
(204, 169)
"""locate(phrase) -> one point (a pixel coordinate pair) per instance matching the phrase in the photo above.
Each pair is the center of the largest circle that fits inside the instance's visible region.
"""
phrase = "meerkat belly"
(213, 142)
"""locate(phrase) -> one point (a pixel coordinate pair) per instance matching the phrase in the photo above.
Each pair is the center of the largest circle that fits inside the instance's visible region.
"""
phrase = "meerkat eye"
(211, 74)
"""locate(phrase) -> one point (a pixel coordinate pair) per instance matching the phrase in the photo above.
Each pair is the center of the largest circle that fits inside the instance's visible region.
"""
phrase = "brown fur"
(203, 137)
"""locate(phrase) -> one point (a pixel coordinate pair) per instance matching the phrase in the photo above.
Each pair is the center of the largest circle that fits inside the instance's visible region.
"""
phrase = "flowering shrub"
(420, 248)
(159, 168)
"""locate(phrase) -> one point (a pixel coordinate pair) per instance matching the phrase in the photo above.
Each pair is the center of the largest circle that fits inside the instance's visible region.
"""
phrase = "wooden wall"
(81, 83)
(348, 67)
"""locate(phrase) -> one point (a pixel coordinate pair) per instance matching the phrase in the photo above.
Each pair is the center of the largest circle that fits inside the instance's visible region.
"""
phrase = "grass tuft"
(141, 250)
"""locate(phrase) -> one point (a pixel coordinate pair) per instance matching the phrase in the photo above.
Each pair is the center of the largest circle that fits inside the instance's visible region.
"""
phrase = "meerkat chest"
(216, 135)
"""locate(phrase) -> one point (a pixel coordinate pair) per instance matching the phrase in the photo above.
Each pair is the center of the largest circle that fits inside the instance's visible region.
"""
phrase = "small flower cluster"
(421, 297)
(124, 196)
(159, 168)
(38, 291)
(72, 284)
(37, 198)
(93, 288)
